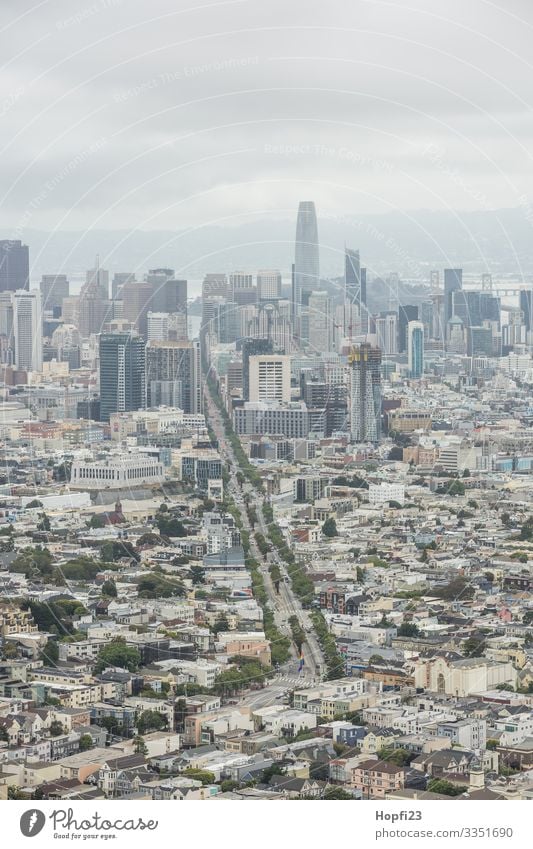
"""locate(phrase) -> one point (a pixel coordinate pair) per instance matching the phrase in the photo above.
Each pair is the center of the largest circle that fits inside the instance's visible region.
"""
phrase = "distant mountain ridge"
(411, 243)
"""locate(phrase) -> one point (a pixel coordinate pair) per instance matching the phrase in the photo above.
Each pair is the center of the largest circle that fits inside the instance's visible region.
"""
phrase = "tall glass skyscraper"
(122, 374)
(415, 348)
(365, 393)
(306, 263)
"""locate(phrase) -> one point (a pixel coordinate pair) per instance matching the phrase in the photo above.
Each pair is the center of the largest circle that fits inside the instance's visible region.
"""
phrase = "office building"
(170, 295)
(119, 279)
(306, 263)
(242, 288)
(406, 313)
(415, 348)
(355, 285)
(27, 330)
(54, 287)
(14, 265)
(260, 417)
(269, 285)
(98, 279)
(122, 374)
(453, 282)
(164, 325)
(387, 332)
(137, 302)
(365, 393)
(270, 378)
(250, 348)
(526, 305)
(173, 375)
(320, 325)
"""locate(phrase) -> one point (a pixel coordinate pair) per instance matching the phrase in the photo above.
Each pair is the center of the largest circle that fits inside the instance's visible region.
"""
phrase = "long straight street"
(283, 603)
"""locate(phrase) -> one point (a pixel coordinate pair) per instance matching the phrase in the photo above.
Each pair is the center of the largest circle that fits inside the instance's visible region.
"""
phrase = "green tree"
(221, 624)
(329, 528)
(97, 521)
(32, 505)
(44, 523)
(139, 746)
(86, 742)
(228, 785)
(117, 653)
(202, 775)
(408, 629)
(109, 588)
(56, 728)
(34, 562)
(50, 653)
(473, 647)
(151, 720)
(117, 549)
(339, 793)
(440, 785)
(197, 575)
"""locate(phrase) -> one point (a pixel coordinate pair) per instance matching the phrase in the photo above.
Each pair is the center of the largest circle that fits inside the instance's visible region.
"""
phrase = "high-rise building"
(270, 378)
(269, 285)
(354, 280)
(415, 348)
(387, 332)
(164, 325)
(306, 263)
(406, 313)
(54, 287)
(250, 348)
(365, 393)
(98, 278)
(14, 265)
(27, 330)
(526, 305)
(320, 326)
(137, 301)
(242, 289)
(170, 296)
(94, 306)
(122, 374)
(119, 278)
(173, 375)
(453, 281)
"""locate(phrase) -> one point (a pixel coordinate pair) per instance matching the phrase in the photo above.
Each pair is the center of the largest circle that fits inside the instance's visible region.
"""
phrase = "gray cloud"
(178, 114)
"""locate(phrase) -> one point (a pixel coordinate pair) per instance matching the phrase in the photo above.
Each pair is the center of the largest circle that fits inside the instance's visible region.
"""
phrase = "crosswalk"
(293, 680)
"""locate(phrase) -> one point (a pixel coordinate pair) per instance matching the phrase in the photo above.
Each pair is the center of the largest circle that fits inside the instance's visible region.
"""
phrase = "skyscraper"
(353, 289)
(242, 288)
(14, 265)
(173, 375)
(54, 287)
(270, 378)
(365, 393)
(137, 301)
(415, 348)
(250, 348)
(320, 326)
(27, 330)
(269, 285)
(526, 305)
(453, 281)
(170, 296)
(119, 278)
(406, 313)
(122, 374)
(387, 332)
(306, 263)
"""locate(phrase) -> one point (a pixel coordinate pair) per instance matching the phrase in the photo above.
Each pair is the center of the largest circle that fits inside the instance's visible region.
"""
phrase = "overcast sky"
(167, 114)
